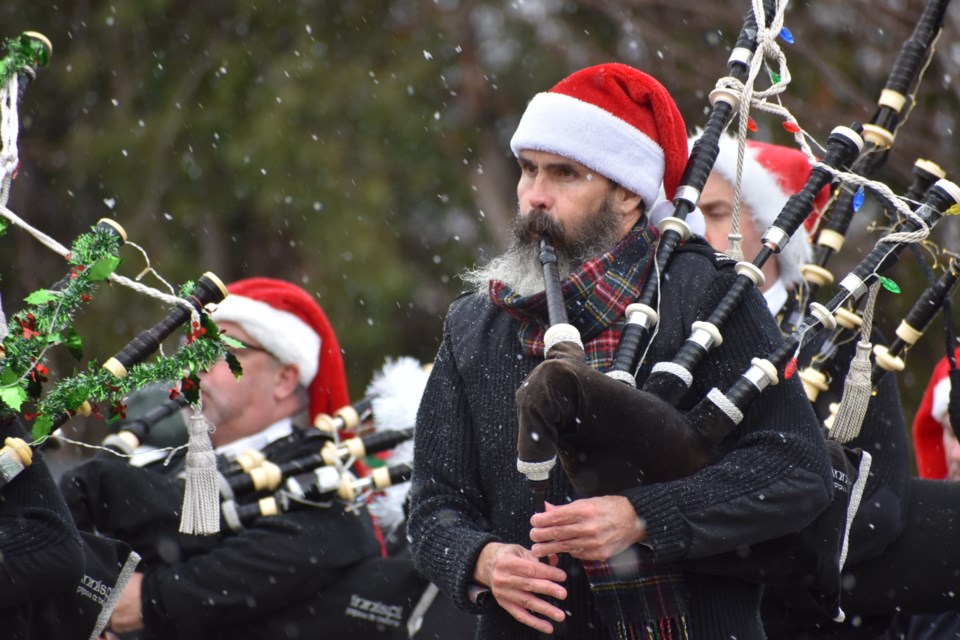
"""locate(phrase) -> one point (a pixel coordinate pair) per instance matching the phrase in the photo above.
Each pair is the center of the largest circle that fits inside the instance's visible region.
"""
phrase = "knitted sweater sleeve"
(39, 544)
(445, 520)
(274, 562)
(776, 478)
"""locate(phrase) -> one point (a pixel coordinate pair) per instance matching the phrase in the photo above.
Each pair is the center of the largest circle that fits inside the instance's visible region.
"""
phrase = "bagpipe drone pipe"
(894, 104)
(128, 475)
(849, 321)
(571, 413)
(642, 317)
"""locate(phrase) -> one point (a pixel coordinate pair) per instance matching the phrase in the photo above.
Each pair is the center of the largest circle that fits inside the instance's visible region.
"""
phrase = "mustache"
(527, 229)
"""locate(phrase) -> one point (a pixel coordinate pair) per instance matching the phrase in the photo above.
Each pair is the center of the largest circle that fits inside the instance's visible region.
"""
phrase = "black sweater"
(41, 554)
(466, 491)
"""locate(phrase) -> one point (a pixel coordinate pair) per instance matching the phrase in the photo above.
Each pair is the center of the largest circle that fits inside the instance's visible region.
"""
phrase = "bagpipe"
(893, 106)
(381, 597)
(582, 418)
(848, 320)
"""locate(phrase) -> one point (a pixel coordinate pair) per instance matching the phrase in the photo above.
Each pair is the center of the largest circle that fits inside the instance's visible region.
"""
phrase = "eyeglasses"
(247, 348)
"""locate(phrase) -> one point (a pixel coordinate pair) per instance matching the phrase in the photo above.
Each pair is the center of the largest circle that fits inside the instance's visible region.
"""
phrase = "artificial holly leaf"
(74, 343)
(8, 376)
(210, 326)
(42, 427)
(41, 296)
(103, 267)
(235, 368)
(13, 397)
(232, 342)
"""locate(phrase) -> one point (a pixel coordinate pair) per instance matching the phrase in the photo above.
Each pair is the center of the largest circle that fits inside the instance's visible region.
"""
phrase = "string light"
(858, 199)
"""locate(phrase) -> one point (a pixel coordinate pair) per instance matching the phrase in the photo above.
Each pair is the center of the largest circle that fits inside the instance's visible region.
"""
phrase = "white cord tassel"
(201, 497)
(856, 396)
(857, 387)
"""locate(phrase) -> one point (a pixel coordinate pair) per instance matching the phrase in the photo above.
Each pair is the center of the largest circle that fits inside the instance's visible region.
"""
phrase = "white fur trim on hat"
(941, 401)
(594, 137)
(287, 337)
(762, 194)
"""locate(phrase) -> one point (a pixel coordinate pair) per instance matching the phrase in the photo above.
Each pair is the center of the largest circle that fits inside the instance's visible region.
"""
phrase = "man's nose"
(540, 195)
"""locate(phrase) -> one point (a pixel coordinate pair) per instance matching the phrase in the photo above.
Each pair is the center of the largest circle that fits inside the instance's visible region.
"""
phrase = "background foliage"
(360, 148)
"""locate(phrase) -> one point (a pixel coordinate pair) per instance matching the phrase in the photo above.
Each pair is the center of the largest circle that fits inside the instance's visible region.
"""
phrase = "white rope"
(767, 47)
(9, 130)
(9, 159)
(767, 50)
(56, 247)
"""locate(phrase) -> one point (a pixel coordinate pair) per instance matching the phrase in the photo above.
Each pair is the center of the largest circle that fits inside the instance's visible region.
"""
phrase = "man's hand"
(587, 529)
(518, 579)
(128, 614)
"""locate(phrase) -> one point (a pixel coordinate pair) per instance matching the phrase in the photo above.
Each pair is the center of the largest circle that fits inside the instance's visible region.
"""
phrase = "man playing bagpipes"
(272, 574)
(594, 153)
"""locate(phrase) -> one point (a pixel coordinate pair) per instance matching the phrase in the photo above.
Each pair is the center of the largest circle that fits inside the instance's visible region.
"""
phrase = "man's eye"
(717, 213)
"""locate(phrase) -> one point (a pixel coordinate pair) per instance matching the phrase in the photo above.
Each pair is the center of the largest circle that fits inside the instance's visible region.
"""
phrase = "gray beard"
(519, 266)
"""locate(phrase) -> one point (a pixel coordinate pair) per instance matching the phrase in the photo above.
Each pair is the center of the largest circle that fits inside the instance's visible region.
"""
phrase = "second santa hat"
(771, 174)
(286, 321)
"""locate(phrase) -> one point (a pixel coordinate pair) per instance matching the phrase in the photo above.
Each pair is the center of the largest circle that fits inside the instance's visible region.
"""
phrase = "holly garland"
(22, 52)
(47, 321)
(204, 348)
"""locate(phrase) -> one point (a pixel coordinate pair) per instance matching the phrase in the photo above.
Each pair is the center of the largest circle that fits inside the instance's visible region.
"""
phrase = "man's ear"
(288, 378)
(628, 201)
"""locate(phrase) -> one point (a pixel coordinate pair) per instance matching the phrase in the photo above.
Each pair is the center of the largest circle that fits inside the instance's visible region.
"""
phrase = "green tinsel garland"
(99, 385)
(48, 319)
(23, 51)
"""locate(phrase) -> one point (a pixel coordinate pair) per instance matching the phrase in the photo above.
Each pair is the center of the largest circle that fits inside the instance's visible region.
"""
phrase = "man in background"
(270, 576)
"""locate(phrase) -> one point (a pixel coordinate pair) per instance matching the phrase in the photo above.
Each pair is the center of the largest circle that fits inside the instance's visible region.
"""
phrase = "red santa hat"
(771, 174)
(931, 419)
(614, 119)
(286, 321)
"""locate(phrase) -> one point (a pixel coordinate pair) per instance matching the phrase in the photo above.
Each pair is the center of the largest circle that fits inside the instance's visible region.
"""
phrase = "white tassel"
(201, 497)
(857, 391)
(857, 387)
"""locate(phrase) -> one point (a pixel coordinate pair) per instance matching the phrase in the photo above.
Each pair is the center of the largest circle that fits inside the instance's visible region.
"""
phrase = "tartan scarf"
(595, 296)
(637, 600)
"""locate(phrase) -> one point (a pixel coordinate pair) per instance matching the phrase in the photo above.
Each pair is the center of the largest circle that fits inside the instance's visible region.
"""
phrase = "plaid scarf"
(595, 295)
(639, 601)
